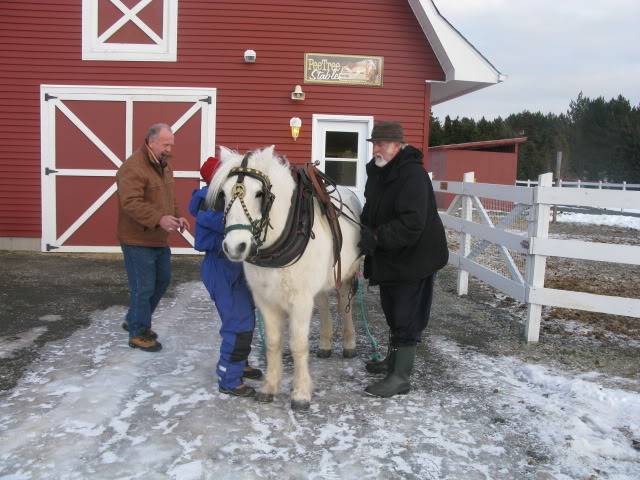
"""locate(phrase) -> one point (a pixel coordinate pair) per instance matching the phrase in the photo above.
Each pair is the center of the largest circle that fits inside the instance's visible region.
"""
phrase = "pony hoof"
(323, 353)
(264, 397)
(300, 405)
(349, 353)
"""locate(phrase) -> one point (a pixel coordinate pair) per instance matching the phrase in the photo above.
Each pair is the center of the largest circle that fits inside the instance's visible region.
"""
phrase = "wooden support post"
(558, 182)
(465, 238)
(536, 264)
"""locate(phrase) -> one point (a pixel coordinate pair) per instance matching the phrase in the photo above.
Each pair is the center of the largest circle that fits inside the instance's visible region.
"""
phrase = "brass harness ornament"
(258, 227)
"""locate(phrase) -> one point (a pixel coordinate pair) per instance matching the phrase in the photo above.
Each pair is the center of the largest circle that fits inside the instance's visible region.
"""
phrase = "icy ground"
(90, 407)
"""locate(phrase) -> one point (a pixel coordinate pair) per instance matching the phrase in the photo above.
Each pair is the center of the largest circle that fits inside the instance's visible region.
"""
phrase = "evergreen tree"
(600, 140)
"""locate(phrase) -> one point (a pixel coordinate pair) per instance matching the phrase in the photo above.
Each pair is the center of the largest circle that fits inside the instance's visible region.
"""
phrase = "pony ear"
(269, 150)
(225, 154)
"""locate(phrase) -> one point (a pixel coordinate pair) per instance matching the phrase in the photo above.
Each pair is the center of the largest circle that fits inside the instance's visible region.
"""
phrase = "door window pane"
(343, 173)
(341, 145)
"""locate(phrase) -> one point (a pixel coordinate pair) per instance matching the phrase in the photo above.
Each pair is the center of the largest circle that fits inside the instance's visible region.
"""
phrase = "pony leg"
(299, 322)
(326, 328)
(273, 331)
(345, 307)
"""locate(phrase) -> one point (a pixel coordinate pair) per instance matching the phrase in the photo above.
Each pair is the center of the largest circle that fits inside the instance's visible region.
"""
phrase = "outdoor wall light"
(250, 56)
(297, 93)
(295, 123)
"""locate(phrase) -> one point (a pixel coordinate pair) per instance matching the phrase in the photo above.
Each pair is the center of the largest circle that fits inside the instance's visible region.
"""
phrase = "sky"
(550, 50)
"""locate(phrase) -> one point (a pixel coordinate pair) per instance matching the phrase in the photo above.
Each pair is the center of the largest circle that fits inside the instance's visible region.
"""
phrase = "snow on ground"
(90, 407)
(12, 343)
(608, 220)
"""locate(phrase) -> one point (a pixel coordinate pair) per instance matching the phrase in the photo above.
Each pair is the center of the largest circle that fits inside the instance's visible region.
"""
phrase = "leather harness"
(311, 184)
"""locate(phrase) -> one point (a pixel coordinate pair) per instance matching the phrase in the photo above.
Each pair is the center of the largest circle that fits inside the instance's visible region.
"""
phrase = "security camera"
(249, 56)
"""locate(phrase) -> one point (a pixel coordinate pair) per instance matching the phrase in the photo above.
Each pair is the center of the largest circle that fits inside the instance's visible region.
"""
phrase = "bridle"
(311, 185)
(259, 226)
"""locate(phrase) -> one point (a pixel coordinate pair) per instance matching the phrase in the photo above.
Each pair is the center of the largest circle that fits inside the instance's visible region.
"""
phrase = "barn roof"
(466, 69)
(481, 145)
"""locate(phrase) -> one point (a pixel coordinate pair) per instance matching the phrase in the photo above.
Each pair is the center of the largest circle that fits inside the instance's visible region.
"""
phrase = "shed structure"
(82, 80)
(492, 161)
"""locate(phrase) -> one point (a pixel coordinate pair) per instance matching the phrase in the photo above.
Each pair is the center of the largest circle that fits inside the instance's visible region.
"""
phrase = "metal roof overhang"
(466, 69)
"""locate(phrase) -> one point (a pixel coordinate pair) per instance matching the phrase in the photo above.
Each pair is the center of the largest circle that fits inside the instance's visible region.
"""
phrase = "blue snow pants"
(228, 288)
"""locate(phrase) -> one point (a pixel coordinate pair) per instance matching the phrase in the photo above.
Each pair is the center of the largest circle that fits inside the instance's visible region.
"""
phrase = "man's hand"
(169, 223)
(184, 224)
(368, 241)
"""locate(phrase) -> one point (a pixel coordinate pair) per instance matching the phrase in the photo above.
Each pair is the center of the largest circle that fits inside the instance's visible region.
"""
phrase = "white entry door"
(340, 146)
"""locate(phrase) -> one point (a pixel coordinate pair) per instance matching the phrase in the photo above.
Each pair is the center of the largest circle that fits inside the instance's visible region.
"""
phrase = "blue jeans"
(149, 274)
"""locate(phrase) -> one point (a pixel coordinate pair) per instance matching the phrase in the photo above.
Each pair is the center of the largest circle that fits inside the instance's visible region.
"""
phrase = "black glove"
(368, 241)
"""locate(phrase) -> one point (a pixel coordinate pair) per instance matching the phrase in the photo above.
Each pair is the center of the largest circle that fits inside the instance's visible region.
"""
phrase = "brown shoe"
(252, 373)
(145, 343)
(241, 390)
(147, 333)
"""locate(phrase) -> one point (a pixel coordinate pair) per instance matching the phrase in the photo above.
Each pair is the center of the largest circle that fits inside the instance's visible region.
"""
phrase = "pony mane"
(263, 159)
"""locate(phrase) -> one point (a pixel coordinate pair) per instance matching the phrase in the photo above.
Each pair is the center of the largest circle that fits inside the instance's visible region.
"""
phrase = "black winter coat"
(400, 207)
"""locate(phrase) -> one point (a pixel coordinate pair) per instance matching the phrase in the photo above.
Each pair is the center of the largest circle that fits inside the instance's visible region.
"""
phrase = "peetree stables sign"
(343, 69)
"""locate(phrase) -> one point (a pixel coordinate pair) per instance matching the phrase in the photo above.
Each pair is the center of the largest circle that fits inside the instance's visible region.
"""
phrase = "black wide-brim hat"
(387, 132)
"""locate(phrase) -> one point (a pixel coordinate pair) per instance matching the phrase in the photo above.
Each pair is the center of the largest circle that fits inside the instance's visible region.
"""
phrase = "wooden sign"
(343, 69)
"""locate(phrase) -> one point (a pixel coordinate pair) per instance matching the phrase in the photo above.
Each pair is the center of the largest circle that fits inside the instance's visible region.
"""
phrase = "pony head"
(244, 182)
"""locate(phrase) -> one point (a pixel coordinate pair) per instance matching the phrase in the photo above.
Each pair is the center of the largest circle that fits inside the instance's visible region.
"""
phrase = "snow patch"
(10, 344)
(608, 220)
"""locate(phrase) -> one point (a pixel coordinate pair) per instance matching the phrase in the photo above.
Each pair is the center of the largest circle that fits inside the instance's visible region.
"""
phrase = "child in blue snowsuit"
(228, 288)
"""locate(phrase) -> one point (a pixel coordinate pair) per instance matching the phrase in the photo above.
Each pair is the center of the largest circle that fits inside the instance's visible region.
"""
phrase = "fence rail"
(580, 184)
(498, 228)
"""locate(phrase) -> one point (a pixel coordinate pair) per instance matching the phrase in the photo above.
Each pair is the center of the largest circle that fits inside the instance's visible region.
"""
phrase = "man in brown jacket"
(147, 213)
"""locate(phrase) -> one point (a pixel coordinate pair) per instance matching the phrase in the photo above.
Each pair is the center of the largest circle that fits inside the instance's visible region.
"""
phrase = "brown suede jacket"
(145, 194)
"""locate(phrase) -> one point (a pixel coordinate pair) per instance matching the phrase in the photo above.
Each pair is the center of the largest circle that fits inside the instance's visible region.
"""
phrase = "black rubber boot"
(380, 366)
(397, 381)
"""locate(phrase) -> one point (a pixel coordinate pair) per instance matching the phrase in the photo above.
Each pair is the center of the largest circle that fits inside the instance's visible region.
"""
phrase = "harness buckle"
(238, 190)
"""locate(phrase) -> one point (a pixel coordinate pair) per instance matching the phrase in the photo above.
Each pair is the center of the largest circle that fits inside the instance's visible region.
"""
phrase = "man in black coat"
(404, 243)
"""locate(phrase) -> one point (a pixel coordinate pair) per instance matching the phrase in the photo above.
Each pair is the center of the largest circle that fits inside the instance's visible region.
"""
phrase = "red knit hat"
(208, 169)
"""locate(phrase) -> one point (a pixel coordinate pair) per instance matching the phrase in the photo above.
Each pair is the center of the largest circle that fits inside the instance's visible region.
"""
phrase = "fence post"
(536, 264)
(465, 239)
(554, 218)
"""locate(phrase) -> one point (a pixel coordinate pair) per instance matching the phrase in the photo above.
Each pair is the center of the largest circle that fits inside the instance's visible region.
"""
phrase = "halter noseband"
(258, 227)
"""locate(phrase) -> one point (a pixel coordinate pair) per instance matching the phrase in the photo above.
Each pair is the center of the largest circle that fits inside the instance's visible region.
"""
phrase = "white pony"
(287, 292)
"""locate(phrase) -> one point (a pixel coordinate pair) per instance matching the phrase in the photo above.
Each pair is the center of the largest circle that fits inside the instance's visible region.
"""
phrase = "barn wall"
(40, 43)
(488, 167)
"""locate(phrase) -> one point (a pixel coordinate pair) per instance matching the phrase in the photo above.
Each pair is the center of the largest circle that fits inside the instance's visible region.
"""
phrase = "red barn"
(81, 81)
(492, 161)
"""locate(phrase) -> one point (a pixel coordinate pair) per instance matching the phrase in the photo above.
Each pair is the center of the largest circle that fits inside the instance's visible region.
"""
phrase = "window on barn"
(130, 30)
(341, 153)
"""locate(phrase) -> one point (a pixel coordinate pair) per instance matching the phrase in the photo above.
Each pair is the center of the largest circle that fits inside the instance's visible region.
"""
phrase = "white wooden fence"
(580, 184)
(525, 283)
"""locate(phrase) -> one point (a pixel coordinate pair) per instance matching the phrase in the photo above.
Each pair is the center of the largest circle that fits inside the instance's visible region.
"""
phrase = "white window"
(127, 30)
